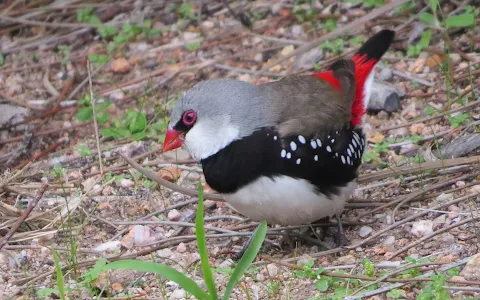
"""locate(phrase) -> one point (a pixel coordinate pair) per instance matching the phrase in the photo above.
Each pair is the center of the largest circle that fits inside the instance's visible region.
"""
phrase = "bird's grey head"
(214, 113)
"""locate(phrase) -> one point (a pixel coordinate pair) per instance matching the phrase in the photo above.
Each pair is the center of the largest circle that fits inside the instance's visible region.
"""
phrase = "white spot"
(293, 146)
(343, 159)
(328, 137)
(332, 141)
(289, 155)
(275, 137)
(301, 139)
(313, 144)
(349, 153)
(351, 147)
(319, 143)
(336, 154)
(359, 154)
(348, 159)
(363, 142)
(336, 132)
(329, 149)
(354, 143)
(299, 160)
(283, 153)
(315, 158)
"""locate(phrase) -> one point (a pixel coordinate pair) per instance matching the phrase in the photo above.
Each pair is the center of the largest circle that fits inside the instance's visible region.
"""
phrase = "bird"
(286, 151)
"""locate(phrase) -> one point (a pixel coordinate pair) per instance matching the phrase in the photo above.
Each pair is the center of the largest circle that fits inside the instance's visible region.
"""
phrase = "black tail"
(377, 45)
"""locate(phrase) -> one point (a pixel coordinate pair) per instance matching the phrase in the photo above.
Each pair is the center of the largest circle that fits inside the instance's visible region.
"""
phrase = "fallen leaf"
(170, 173)
(120, 65)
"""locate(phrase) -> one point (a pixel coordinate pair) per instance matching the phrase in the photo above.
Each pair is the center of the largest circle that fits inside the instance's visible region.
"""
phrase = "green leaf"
(59, 275)
(322, 284)
(202, 246)
(116, 133)
(102, 117)
(139, 123)
(425, 40)
(427, 18)
(47, 292)
(2, 59)
(95, 271)
(107, 31)
(168, 272)
(193, 46)
(84, 114)
(463, 20)
(247, 258)
(138, 136)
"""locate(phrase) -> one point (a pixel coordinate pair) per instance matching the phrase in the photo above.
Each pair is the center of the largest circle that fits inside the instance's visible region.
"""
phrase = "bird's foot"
(340, 238)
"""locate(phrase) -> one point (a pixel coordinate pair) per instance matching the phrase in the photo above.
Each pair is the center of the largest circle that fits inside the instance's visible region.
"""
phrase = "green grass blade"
(247, 258)
(59, 273)
(168, 272)
(202, 246)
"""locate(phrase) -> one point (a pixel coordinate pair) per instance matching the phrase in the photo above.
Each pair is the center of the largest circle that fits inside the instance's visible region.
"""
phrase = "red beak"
(173, 140)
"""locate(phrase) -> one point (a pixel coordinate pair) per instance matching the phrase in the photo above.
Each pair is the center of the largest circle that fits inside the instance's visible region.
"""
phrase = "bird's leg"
(340, 239)
(239, 255)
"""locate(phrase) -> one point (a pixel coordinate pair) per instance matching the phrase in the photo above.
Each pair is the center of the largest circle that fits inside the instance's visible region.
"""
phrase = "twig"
(45, 132)
(24, 215)
(423, 120)
(411, 218)
(152, 176)
(417, 242)
(409, 77)
(92, 101)
(57, 24)
(412, 196)
(418, 168)
(351, 27)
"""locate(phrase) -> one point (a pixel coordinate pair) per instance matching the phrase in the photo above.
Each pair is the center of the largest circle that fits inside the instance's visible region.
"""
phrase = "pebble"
(422, 228)
(389, 240)
(164, 253)
(108, 246)
(365, 231)
(454, 211)
(455, 57)
(460, 183)
(226, 263)
(444, 197)
(260, 277)
(126, 183)
(471, 271)
(297, 31)
(120, 65)
(386, 74)
(174, 215)
(178, 294)
(272, 270)
(141, 234)
(181, 248)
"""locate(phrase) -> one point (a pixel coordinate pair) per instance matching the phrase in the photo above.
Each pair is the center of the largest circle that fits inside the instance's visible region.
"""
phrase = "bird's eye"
(189, 117)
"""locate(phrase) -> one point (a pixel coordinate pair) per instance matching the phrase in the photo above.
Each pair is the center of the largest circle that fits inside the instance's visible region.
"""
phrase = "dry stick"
(353, 26)
(411, 218)
(24, 215)
(417, 168)
(58, 24)
(422, 120)
(411, 245)
(152, 176)
(407, 198)
(92, 100)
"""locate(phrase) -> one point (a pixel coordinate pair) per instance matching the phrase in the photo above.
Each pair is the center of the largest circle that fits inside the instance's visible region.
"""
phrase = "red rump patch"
(363, 68)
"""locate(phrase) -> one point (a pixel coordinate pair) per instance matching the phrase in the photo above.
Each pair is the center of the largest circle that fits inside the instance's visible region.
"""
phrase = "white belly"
(284, 200)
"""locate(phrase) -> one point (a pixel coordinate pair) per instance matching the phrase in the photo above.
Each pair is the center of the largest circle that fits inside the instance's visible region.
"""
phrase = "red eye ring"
(189, 117)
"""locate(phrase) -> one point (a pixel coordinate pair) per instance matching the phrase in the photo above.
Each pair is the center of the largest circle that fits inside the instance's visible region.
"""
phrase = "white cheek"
(206, 139)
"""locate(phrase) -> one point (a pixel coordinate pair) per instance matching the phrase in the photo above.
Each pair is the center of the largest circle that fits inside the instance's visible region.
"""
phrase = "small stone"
(386, 74)
(440, 220)
(207, 25)
(126, 183)
(174, 215)
(107, 191)
(297, 31)
(399, 132)
(188, 36)
(448, 239)
(454, 211)
(260, 277)
(226, 263)
(178, 294)
(108, 246)
(141, 234)
(365, 231)
(471, 271)
(422, 228)
(120, 65)
(181, 248)
(165, 253)
(417, 128)
(444, 197)
(460, 183)
(455, 58)
(272, 270)
(116, 286)
(389, 240)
